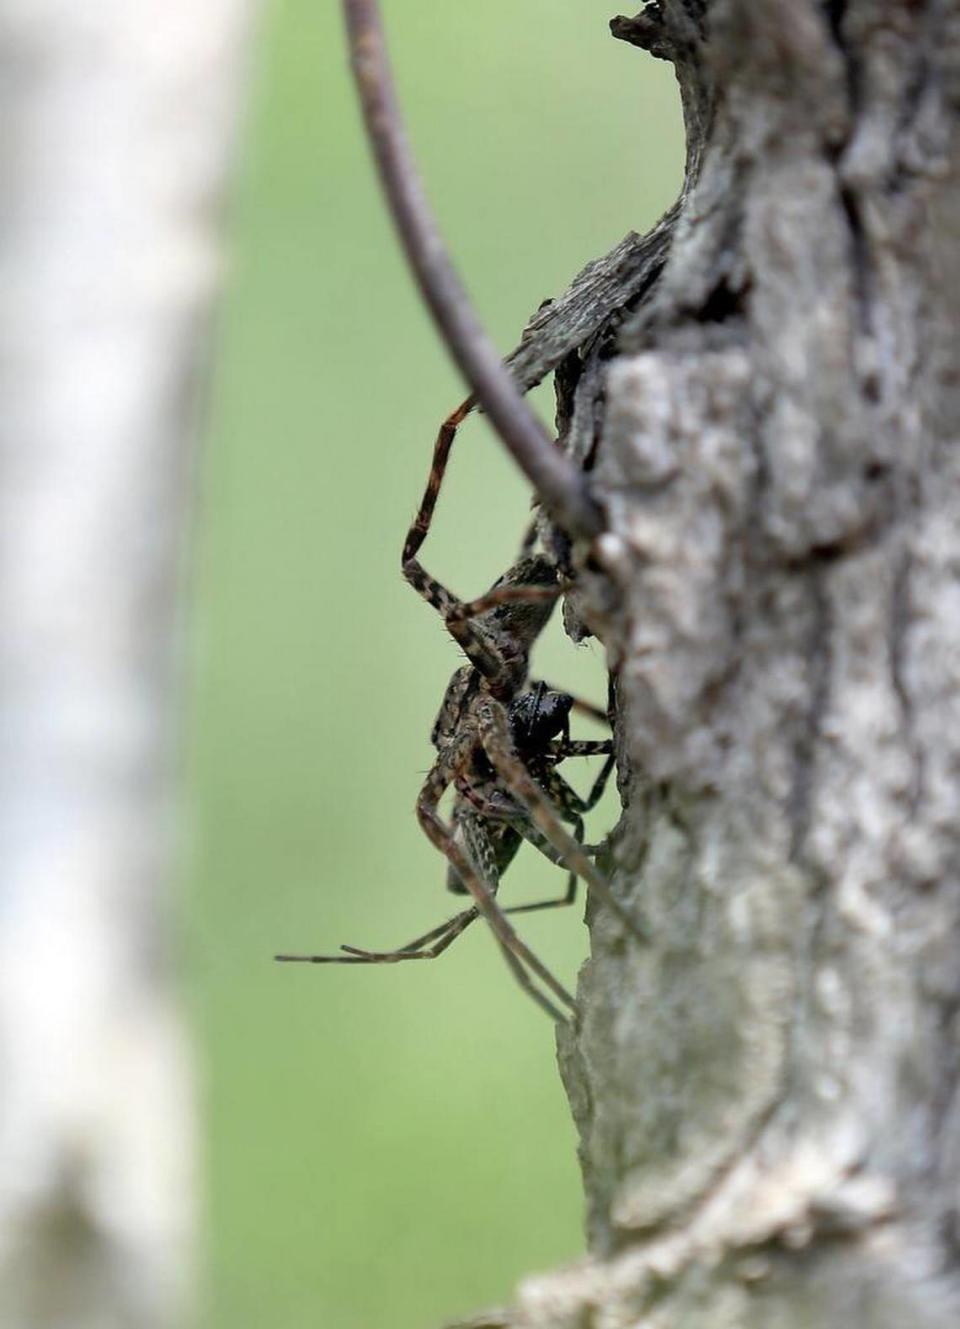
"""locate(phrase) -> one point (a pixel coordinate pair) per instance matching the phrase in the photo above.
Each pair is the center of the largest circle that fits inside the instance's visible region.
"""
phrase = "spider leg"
(570, 806)
(441, 936)
(441, 455)
(563, 794)
(599, 785)
(497, 743)
(581, 747)
(495, 659)
(567, 803)
(478, 648)
(502, 595)
(517, 955)
(554, 902)
(539, 841)
(442, 447)
(419, 948)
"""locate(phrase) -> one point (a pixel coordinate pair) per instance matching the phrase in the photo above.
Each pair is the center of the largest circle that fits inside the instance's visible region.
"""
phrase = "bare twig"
(559, 483)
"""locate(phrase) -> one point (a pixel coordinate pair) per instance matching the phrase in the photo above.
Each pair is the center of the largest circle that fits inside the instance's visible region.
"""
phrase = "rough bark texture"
(117, 122)
(767, 1095)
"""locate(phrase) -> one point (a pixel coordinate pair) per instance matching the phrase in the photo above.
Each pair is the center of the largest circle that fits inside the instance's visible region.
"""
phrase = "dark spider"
(499, 742)
(540, 729)
(501, 784)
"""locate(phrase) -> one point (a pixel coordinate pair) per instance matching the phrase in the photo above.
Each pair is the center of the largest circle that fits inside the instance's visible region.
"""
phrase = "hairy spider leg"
(472, 803)
(483, 856)
(518, 956)
(420, 526)
(516, 953)
(490, 848)
(502, 595)
(565, 796)
(429, 945)
(571, 807)
(540, 841)
(456, 613)
(582, 747)
(441, 455)
(500, 661)
(570, 804)
(420, 948)
(582, 707)
(498, 745)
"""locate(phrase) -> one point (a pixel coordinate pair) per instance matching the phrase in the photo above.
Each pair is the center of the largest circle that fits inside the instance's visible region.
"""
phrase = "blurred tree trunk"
(767, 1095)
(117, 124)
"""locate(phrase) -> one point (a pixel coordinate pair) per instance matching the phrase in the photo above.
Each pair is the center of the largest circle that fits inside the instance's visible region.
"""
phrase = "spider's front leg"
(426, 947)
(496, 630)
(420, 526)
(517, 954)
(498, 745)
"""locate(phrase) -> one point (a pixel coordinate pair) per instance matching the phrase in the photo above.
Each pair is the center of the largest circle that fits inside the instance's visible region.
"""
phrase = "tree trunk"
(767, 1093)
(117, 123)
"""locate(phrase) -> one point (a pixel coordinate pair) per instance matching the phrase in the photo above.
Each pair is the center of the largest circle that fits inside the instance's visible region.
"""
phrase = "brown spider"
(490, 825)
(499, 742)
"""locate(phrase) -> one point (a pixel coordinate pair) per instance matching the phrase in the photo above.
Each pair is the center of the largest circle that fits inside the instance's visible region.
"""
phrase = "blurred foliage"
(385, 1146)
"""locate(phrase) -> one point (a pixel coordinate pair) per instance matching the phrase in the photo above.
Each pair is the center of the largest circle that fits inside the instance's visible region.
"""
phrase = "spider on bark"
(499, 741)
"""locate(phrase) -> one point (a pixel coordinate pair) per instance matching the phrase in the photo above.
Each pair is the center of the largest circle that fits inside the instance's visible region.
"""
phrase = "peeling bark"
(767, 1095)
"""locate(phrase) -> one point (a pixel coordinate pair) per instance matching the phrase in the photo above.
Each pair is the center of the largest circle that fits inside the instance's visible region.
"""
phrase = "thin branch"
(559, 483)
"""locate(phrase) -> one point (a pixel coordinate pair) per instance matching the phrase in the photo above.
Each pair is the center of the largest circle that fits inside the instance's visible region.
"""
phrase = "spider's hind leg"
(498, 745)
(520, 959)
(418, 949)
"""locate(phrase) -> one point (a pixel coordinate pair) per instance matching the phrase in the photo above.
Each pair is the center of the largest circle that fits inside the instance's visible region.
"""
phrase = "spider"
(490, 826)
(499, 742)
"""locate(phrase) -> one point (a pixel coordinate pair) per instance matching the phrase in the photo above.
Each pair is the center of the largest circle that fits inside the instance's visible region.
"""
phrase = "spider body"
(498, 741)
(539, 721)
(498, 745)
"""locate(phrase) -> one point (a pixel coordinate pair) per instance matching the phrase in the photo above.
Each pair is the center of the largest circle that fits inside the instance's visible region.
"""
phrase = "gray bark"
(117, 123)
(767, 1094)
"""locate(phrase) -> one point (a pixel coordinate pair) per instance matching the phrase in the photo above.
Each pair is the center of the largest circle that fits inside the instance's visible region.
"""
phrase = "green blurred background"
(384, 1146)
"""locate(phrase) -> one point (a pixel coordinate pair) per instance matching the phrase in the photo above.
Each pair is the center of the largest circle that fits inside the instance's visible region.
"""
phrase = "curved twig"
(559, 483)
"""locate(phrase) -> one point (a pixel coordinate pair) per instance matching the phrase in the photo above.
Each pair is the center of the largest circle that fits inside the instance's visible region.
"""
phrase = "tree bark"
(767, 1094)
(118, 122)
